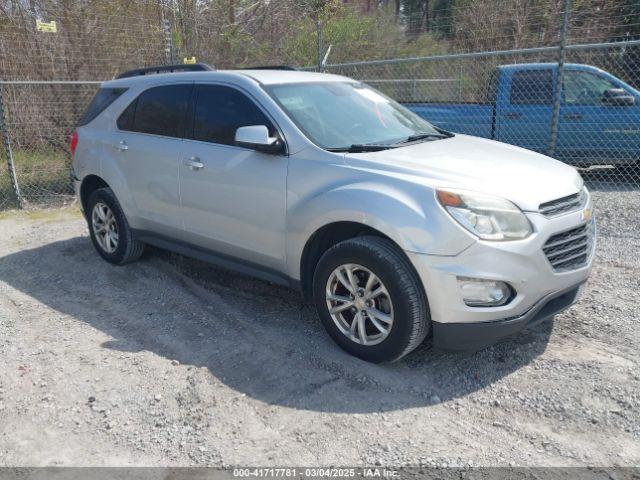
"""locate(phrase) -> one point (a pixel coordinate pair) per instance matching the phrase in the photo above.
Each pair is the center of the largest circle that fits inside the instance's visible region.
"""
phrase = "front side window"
(532, 87)
(158, 111)
(585, 88)
(221, 110)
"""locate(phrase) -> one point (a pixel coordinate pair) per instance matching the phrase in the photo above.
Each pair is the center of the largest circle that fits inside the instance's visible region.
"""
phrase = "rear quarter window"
(101, 100)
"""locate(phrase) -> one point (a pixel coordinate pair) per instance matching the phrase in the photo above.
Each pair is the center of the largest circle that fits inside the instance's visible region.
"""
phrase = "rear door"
(523, 112)
(233, 198)
(146, 146)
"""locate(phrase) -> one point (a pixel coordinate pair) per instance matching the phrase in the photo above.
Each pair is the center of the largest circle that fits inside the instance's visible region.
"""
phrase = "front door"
(233, 198)
(589, 130)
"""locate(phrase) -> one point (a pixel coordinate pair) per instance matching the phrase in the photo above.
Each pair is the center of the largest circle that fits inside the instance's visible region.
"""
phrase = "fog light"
(477, 292)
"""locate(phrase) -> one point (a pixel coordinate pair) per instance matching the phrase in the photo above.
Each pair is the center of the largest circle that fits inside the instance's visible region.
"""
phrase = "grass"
(43, 177)
(46, 215)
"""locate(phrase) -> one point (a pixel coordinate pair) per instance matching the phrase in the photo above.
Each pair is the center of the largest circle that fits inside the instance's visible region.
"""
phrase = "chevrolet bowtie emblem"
(587, 213)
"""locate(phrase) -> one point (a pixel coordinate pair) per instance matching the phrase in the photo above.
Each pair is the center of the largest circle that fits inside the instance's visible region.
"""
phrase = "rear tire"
(109, 230)
(392, 312)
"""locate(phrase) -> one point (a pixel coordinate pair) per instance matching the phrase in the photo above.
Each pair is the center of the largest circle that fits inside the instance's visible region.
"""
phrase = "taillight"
(73, 142)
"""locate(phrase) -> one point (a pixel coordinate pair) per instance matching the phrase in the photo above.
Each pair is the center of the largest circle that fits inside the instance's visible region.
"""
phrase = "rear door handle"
(512, 115)
(121, 146)
(194, 163)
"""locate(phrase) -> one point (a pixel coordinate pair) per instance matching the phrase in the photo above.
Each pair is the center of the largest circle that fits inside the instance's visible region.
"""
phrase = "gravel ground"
(169, 361)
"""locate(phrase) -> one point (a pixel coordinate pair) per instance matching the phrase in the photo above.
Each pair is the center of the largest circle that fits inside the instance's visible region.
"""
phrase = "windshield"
(338, 115)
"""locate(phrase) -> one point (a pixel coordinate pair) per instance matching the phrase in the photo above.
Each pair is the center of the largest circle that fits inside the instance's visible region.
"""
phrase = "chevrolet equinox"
(397, 229)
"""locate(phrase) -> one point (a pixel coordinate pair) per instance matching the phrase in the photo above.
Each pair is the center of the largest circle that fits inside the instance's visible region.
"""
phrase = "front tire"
(109, 230)
(370, 299)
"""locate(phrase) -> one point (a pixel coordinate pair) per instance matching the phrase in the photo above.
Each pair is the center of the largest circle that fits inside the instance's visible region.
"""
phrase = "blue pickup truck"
(598, 123)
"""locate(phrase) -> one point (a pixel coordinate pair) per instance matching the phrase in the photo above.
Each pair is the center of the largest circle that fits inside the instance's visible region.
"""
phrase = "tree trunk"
(425, 16)
(232, 12)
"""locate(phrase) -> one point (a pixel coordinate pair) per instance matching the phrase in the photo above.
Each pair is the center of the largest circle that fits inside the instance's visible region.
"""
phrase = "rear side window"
(532, 87)
(220, 111)
(101, 100)
(158, 111)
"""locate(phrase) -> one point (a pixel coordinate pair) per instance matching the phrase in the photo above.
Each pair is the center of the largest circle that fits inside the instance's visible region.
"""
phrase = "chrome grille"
(570, 249)
(563, 205)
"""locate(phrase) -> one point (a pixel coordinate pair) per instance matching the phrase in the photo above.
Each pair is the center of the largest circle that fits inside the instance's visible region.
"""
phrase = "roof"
(265, 77)
(271, 77)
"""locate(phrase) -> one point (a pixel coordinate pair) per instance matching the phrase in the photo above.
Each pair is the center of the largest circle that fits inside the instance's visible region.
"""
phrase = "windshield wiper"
(362, 147)
(376, 147)
(423, 136)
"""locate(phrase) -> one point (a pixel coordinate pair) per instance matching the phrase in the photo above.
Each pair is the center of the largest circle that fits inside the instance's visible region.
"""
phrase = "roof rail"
(270, 67)
(180, 67)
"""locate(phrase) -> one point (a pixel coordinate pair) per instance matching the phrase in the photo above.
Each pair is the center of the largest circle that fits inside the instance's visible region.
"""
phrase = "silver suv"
(395, 228)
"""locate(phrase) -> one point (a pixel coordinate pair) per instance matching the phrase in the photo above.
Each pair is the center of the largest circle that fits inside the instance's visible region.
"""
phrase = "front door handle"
(572, 116)
(122, 146)
(194, 163)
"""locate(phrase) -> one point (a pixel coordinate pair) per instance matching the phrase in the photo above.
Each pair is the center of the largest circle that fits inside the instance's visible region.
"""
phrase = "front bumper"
(474, 336)
(541, 292)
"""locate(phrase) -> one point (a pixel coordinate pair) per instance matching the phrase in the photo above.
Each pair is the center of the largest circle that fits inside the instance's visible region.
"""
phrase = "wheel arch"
(324, 238)
(90, 184)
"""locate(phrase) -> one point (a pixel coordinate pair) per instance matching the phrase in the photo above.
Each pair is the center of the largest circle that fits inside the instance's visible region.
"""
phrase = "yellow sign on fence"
(46, 26)
(189, 61)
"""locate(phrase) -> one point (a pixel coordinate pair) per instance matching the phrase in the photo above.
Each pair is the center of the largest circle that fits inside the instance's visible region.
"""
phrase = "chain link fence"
(38, 119)
(51, 63)
(79, 45)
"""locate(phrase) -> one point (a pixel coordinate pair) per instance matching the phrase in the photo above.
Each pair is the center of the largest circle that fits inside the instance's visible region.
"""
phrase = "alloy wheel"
(359, 304)
(105, 228)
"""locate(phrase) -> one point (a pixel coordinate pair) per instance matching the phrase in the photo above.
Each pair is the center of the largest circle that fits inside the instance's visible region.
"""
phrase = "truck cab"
(599, 114)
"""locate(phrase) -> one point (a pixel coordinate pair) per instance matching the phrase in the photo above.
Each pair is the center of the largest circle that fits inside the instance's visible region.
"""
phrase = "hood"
(524, 177)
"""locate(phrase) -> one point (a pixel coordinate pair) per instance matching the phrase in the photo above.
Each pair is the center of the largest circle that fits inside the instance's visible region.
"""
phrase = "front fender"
(415, 223)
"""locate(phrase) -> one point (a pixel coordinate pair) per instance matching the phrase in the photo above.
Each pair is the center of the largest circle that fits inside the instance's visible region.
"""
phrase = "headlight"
(488, 217)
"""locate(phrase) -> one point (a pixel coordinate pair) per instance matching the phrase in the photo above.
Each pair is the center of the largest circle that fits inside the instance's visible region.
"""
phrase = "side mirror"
(617, 97)
(257, 138)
